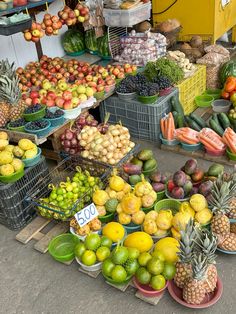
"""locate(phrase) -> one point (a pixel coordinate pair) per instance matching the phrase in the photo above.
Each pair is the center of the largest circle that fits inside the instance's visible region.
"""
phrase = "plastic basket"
(142, 121)
(173, 205)
(127, 18)
(40, 132)
(59, 174)
(192, 87)
(30, 162)
(7, 30)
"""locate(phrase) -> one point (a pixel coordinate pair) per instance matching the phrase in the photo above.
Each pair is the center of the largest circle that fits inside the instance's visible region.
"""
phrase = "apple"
(51, 95)
(81, 89)
(134, 68)
(81, 75)
(100, 82)
(62, 86)
(82, 97)
(67, 95)
(68, 105)
(46, 85)
(43, 100)
(92, 84)
(28, 101)
(50, 103)
(116, 71)
(75, 101)
(121, 75)
(89, 78)
(104, 74)
(95, 78)
(76, 12)
(35, 101)
(100, 88)
(59, 101)
(128, 70)
(110, 82)
(89, 92)
(35, 33)
(127, 65)
(81, 19)
(34, 94)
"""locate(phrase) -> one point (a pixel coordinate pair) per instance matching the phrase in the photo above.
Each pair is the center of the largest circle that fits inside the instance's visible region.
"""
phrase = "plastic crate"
(191, 87)
(65, 169)
(127, 18)
(143, 121)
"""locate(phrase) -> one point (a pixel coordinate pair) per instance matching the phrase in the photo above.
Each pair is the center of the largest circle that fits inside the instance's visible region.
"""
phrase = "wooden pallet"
(35, 230)
(205, 114)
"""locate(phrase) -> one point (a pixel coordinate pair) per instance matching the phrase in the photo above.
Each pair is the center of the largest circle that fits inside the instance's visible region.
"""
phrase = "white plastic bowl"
(221, 105)
(127, 96)
(72, 230)
(94, 267)
(72, 113)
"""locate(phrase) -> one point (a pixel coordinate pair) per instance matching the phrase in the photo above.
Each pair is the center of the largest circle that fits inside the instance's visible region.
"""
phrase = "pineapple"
(194, 287)
(233, 228)
(227, 242)
(232, 213)
(207, 244)
(183, 267)
(3, 119)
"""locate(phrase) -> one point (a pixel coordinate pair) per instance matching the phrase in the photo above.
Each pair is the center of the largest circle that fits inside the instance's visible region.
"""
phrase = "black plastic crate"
(25, 214)
(7, 30)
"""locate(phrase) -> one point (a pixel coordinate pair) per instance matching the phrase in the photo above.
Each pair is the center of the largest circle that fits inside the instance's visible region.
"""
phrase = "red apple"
(89, 78)
(68, 105)
(34, 94)
(28, 101)
(67, 95)
(59, 101)
(51, 95)
(100, 88)
(50, 103)
(35, 101)
(116, 71)
(92, 84)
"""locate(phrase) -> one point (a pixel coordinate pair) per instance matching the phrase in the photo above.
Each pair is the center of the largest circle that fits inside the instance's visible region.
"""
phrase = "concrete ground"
(33, 283)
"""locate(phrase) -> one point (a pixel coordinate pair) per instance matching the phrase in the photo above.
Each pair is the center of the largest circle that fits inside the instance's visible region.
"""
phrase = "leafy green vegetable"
(164, 67)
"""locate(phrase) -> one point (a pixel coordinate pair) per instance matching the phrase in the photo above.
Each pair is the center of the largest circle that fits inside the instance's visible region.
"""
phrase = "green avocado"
(215, 170)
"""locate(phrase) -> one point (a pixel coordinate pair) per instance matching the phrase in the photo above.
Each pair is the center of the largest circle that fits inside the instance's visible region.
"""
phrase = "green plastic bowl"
(215, 93)
(147, 173)
(107, 218)
(148, 209)
(191, 147)
(36, 115)
(13, 177)
(17, 129)
(62, 247)
(203, 100)
(131, 227)
(161, 195)
(117, 283)
(173, 205)
(30, 162)
(148, 99)
(230, 155)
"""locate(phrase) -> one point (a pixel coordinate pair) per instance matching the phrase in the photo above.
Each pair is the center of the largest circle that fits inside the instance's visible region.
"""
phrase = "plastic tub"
(62, 247)
(215, 93)
(117, 283)
(72, 113)
(55, 121)
(203, 100)
(167, 142)
(230, 155)
(191, 148)
(94, 267)
(149, 172)
(175, 199)
(161, 195)
(107, 218)
(132, 227)
(41, 132)
(221, 105)
(171, 204)
(17, 129)
(13, 177)
(147, 290)
(128, 96)
(36, 115)
(215, 153)
(148, 99)
(30, 162)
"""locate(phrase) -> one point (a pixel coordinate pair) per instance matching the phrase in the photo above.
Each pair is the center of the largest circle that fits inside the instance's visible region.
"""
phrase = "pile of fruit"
(158, 223)
(93, 226)
(63, 198)
(34, 33)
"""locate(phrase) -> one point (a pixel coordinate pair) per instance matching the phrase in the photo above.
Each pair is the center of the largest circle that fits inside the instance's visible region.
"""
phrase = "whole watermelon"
(73, 41)
(103, 46)
(91, 41)
(228, 69)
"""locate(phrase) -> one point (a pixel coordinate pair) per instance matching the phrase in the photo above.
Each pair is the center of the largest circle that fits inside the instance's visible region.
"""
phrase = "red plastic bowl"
(210, 298)
(165, 91)
(147, 291)
(215, 153)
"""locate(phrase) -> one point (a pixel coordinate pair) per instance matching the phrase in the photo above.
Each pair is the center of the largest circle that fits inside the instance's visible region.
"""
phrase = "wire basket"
(59, 174)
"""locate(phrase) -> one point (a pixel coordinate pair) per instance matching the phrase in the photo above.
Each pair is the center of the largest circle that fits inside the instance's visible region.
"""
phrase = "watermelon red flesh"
(228, 69)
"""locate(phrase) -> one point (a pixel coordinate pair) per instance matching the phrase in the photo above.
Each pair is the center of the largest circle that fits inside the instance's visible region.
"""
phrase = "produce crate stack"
(15, 212)
(142, 120)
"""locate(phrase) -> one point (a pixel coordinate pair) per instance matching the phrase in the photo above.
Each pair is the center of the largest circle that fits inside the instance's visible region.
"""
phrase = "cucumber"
(216, 127)
(215, 117)
(192, 124)
(198, 120)
(175, 116)
(224, 120)
(176, 105)
(180, 121)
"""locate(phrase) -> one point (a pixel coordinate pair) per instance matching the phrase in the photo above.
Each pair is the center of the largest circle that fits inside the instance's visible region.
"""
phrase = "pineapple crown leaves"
(199, 266)
(9, 89)
(187, 243)
(206, 243)
(7, 68)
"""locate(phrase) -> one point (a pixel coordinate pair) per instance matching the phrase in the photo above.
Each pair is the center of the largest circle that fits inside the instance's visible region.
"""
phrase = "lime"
(107, 267)
(80, 249)
(120, 255)
(60, 198)
(69, 188)
(69, 195)
(75, 190)
(102, 253)
(118, 274)
(88, 258)
(144, 258)
(155, 266)
(53, 196)
(158, 282)
(75, 179)
(143, 276)
(60, 191)
(74, 184)
(92, 241)
(131, 266)
(133, 252)
(105, 241)
(159, 255)
(169, 271)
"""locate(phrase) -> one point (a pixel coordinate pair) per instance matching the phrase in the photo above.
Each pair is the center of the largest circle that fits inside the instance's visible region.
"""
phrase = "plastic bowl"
(82, 237)
(161, 195)
(99, 95)
(230, 155)
(72, 113)
(203, 100)
(36, 115)
(147, 290)
(13, 177)
(171, 204)
(94, 267)
(165, 92)
(221, 105)
(215, 93)
(128, 96)
(55, 121)
(167, 142)
(172, 198)
(62, 247)
(41, 132)
(17, 129)
(131, 227)
(30, 162)
(215, 152)
(148, 99)
(191, 148)
(107, 218)
(147, 173)
(148, 209)
(117, 283)
(210, 298)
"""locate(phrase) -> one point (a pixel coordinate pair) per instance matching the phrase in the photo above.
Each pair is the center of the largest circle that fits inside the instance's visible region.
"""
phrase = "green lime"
(119, 274)
(53, 196)
(143, 276)
(120, 255)
(92, 241)
(88, 258)
(158, 282)
(105, 241)
(60, 198)
(107, 267)
(169, 271)
(75, 179)
(155, 266)
(80, 249)
(144, 258)
(60, 191)
(74, 185)
(75, 190)
(131, 266)
(133, 253)
(102, 253)
(69, 188)
(159, 255)
(69, 195)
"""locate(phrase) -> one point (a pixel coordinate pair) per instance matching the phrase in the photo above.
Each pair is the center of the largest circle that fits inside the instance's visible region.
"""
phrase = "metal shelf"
(30, 5)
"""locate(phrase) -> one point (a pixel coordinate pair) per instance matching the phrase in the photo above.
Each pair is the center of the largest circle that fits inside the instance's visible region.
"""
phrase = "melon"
(139, 240)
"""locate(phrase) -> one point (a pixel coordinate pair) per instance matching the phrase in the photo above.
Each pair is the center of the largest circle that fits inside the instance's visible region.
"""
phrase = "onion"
(104, 159)
(85, 154)
(105, 143)
(84, 136)
(69, 135)
(63, 136)
(67, 143)
(67, 149)
(109, 155)
(83, 143)
(112, 161)
(73, 143)
(73, 151)
(104, 152)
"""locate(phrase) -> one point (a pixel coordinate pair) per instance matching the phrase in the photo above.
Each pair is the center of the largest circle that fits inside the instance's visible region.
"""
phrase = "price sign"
(87, 214)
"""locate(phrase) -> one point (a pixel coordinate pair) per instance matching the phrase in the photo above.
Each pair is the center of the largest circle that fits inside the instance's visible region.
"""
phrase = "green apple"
(81, 89)
(89, 91)
(63, 86)
(46, 85)
(75, 101)
(82, 97)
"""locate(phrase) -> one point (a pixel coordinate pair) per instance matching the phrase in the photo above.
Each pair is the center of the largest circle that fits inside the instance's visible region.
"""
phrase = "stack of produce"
(103, 46)
(51, 24)
(35, 32)
(158, 181)
(211, 140)
(229, 139)
(194, 49)
(168, 127)
(187, 135)
(73, 41)
(108, 148)
(91, 41)
(93, 226)
(184, 63)
(159, 223)
(145, 191)
(219, 123)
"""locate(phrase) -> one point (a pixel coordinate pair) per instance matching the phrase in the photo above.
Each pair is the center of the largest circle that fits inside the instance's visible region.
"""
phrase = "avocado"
(215, 170)
(134, 179)
(150, 164)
